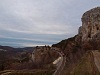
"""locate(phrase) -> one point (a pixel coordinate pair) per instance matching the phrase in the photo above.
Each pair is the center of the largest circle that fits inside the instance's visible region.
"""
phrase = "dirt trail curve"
(61, 65)
(6, 73)
(96, 55)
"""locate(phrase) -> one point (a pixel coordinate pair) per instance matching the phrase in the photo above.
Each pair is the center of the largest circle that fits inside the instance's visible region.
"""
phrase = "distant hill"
(11, 57)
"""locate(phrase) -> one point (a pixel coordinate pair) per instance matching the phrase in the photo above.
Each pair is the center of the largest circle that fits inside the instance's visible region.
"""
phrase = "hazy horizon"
(25, 23)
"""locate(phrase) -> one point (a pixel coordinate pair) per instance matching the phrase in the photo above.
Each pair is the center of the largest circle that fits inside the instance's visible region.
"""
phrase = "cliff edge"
(90, 28)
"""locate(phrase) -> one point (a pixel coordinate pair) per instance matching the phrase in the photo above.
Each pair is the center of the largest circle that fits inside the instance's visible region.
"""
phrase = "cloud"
(33, 16)
(52, 20)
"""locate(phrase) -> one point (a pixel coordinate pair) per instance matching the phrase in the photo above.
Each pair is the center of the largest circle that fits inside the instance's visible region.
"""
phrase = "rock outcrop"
(43, 55)
(90, 28)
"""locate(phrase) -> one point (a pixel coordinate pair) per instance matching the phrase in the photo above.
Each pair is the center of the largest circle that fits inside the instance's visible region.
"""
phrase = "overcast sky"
(40, 22)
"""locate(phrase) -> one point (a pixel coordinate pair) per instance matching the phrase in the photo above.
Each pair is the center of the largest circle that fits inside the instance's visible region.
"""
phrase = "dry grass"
(86, 66)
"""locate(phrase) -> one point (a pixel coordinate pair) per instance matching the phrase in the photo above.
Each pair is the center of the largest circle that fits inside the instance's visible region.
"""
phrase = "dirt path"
(96, 55)
(61, 65)
(6, 73)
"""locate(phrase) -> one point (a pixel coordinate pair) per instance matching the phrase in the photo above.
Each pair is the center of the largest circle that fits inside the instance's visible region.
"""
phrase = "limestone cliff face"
(87, 39)
(90, 28)
(44, 55)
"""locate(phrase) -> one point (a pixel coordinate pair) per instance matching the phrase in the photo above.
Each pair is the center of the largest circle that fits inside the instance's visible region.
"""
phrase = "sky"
(26, 23)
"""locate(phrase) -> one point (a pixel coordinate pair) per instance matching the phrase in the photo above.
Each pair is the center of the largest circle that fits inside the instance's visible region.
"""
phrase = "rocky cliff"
(43, 55)
(89, 32)
(88, 38)
(90, 28)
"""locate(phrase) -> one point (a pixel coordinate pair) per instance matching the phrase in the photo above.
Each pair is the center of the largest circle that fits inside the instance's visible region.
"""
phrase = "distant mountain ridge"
(8, 48)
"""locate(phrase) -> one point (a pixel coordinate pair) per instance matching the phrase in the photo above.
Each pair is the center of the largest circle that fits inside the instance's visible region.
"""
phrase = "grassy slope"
(86, 66)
